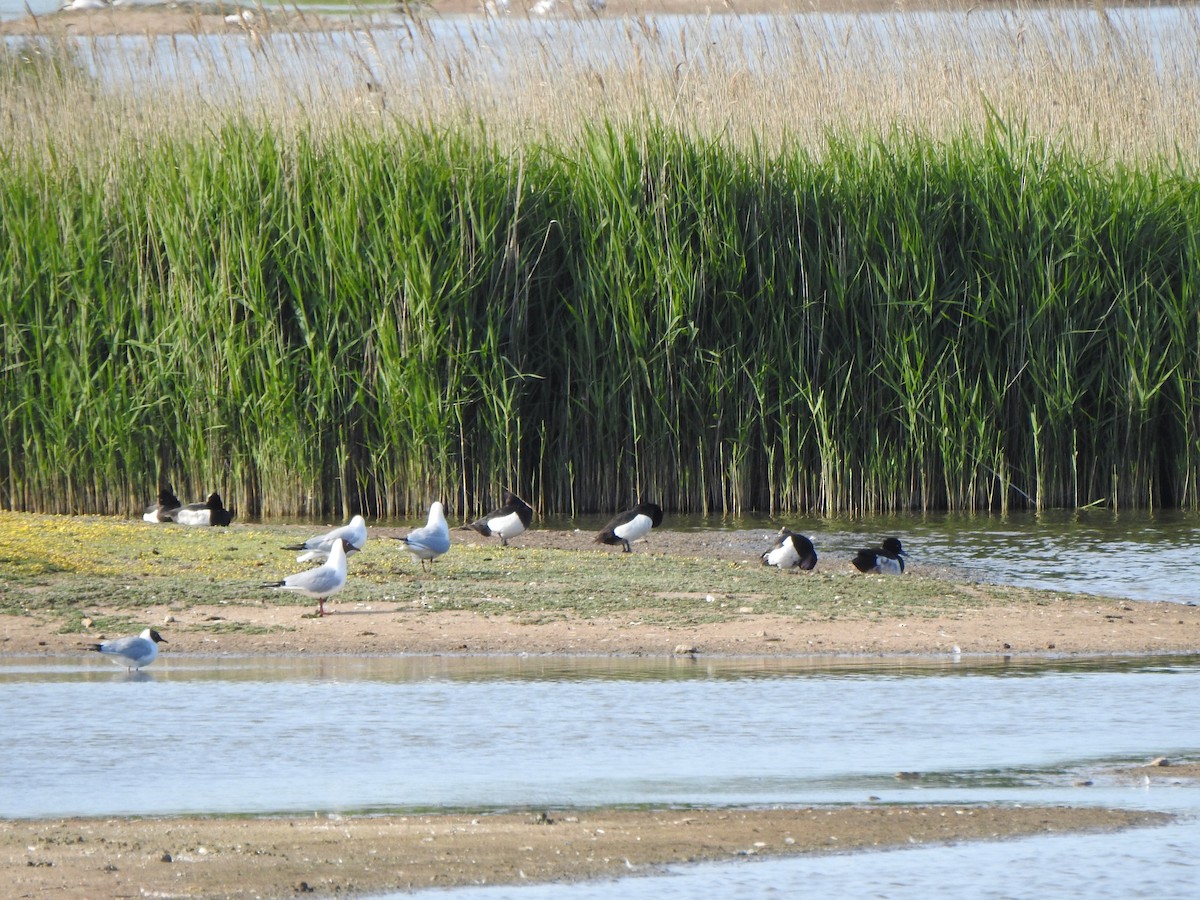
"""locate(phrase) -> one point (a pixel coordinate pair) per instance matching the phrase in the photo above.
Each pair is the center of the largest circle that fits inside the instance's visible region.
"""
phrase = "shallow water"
(394, 733)
(350, 734)
(1152, 863)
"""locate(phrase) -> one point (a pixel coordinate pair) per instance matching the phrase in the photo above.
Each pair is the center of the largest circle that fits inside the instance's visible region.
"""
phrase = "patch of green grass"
(238, 628)
(97, 625)
(181, 568)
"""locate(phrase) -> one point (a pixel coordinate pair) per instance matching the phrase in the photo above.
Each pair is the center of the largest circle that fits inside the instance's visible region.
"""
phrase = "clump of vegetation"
(39, 63)
(867, 271)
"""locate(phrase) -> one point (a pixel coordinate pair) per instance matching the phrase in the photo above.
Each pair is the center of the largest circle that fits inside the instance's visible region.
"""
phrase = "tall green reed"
(320, 323)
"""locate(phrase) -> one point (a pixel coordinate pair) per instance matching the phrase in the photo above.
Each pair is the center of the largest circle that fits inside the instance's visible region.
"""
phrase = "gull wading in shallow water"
(316, 549)
(631, 524)
(790, 550)
(887, 559)
(320, 583)
(432, 540)
(507, 522)
(132, 652)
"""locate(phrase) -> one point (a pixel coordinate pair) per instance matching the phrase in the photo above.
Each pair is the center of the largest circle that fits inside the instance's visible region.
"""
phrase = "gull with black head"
(132, 652)
(317, 549)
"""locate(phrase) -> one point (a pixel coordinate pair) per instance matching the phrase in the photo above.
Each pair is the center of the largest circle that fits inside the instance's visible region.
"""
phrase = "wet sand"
(1062, 627)
(334, 855)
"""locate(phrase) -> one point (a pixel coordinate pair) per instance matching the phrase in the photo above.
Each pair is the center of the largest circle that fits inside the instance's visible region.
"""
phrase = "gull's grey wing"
(321, 580)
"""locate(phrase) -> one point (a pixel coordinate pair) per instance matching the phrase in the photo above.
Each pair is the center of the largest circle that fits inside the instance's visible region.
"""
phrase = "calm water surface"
(339, 735)
(387, 733)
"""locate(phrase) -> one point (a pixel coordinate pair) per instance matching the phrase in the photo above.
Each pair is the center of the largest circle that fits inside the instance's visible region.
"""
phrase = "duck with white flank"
(320, 583)
(132, 652)
(887, 559)
(166, 507)
(790, 550)
(430, 541)
(631, 524)
(211, 512)
(316, 549)
(508, 521)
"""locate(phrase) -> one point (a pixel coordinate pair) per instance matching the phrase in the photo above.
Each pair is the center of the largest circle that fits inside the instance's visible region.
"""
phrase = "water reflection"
(534, 668)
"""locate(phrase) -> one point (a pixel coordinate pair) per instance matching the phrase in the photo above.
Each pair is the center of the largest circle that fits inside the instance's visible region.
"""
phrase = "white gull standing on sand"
(320, 583)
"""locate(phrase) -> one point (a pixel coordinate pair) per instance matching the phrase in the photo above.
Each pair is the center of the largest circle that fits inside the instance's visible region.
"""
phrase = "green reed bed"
(356, 320)
(320, 294)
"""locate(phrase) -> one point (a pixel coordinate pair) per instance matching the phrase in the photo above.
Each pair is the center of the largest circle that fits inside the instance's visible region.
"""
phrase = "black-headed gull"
(631, 524)
(132, 652)
(316, 549)
(887, 559)
(790, 550)
(430, 541)
(508, 521)
(211, 512)
(320, 583)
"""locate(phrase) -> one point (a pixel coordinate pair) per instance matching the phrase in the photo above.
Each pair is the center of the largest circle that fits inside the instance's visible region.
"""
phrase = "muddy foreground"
(324, 856)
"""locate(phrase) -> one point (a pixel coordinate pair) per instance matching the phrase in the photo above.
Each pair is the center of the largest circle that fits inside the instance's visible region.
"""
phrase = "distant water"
(18, 9)
(231, 63)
